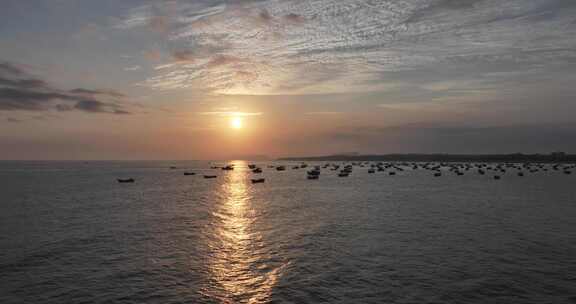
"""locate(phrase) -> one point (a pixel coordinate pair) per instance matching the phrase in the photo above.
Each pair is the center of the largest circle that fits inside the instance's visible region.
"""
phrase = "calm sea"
(69, 233)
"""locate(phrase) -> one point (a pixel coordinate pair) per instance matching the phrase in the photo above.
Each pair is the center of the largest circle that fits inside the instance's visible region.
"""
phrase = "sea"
(71, 233)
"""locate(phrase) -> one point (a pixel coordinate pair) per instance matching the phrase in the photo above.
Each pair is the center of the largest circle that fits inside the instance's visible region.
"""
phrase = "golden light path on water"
(238, 264)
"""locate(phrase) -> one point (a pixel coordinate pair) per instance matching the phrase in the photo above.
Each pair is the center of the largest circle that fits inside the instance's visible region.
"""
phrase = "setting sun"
(236, 123)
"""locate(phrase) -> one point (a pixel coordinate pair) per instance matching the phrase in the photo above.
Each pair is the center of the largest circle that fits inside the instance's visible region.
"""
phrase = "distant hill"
(516, 157)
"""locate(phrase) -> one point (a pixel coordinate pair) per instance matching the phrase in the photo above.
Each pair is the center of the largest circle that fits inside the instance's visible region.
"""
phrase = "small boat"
(258, 180)
(257, 171)
(173, 167)
(437, 174)
(371, 171)
(314, 172)
(496, 176)
(280, 168)
(313, 176)
(252, 166)
(343, 174)
(189, 173)
(228, 168)
(210, 176)
(126, 180)
(392, 173)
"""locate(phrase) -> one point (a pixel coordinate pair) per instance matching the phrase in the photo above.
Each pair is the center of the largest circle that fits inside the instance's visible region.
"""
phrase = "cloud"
(93, 106)
(321, 47)
(89, 92)
(20, 91)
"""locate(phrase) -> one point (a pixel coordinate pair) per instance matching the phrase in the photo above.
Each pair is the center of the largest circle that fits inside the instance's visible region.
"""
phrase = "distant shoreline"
(517, 157)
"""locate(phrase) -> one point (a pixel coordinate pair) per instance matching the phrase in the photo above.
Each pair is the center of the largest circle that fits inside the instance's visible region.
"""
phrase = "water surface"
(69, 233)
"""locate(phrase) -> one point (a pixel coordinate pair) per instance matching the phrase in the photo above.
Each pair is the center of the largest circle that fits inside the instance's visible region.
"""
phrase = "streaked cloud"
(311, 47)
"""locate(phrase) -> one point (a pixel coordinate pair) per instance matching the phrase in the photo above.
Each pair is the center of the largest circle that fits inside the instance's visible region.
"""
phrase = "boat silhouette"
(126, 180)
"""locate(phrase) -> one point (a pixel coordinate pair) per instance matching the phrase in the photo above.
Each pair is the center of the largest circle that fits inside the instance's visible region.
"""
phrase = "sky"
(217, 79)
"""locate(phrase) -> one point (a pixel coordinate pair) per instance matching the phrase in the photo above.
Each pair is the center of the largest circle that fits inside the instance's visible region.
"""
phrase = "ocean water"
(69, 233)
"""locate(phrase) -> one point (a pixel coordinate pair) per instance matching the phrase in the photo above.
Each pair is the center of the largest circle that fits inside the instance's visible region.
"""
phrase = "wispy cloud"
(299, 47)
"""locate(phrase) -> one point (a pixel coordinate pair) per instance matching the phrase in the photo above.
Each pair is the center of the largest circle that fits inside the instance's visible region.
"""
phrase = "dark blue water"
(69, 233)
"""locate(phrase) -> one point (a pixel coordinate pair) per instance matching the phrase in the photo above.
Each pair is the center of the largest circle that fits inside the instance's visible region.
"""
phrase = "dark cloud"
(25, 99)
(9, 68)
(93, 106)
(97, 92)
(21, 91)
(24, 83)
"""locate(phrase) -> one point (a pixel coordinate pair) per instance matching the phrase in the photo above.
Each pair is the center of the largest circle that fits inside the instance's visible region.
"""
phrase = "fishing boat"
(258, 180)
(210, 176)
(189, 173)
(126, 180)
(257, 171)
(314, 172)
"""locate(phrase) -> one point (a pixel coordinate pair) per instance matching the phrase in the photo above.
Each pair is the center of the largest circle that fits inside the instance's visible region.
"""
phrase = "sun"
(236, 123)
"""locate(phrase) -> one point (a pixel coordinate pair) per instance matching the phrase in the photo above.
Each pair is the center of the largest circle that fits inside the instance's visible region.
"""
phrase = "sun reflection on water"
(238, 267)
